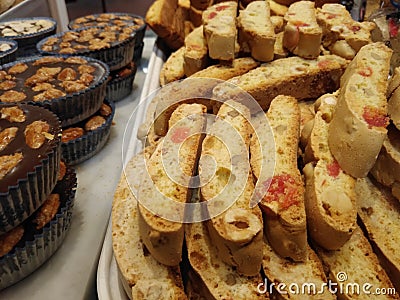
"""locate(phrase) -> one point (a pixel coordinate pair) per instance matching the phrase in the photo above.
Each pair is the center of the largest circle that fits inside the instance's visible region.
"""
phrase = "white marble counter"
(71, 272)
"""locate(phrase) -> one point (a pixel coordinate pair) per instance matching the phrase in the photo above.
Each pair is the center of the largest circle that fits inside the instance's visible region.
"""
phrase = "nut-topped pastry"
(29, 160)
(60, 84)
(27, 32)
(113, 45)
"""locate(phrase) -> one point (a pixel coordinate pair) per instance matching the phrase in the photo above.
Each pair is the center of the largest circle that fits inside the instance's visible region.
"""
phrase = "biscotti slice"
(239, 66)
(287, 273)
(284, 77)
(302, 35)
(380, 215)
(141, 275)
(167, 21)
(196, 16)
(196, 52)
(165, 186)
(278, 23)
(282, 194)
(393, 94)
(355, 271)
(358, 126)
(221, 280)
(386, 169)
(172, 69)
(330, 197)
(235, 228)
(342, 35)
(256, 30)
(219, 22)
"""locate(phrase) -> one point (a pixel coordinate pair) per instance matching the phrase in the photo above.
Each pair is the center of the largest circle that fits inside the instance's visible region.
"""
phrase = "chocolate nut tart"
(121, 82)
(25, 248)
(121, 20)
(71, 87)
(8, 50)
(83, 140)
(110, 44)
(27, 32)
(30, 151)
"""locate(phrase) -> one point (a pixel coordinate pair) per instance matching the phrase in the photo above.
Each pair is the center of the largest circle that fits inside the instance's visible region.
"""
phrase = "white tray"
(109, 287)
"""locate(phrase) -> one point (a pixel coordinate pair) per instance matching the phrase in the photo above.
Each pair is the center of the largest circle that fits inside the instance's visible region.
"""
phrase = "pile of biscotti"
(295, 176)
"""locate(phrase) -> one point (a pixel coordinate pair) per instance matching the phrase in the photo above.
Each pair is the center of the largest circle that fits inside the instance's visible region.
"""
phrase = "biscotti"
(355, 266)
(221, 280)
(256, 30)
(279, 50)
(284, 77)
(164, 190)
(330, 197)
(302, 34)
(239, 66)
(172, 69)
(277, 9)
(285, 273)
(358, 126)
(196, 52)
(141, 275)
(235, 228)
(380, 215)
(283, 191)
(386, 169)
(220, 31)
(167, 21)
(342, 35)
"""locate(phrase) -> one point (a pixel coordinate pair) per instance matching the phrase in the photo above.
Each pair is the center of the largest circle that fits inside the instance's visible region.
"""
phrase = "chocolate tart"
(110, 44)
(121, 20)
(30, 151)
(37, 245)
(121, 82)
(27, 32)
(71, 87)
(80, 143)
(8, 50)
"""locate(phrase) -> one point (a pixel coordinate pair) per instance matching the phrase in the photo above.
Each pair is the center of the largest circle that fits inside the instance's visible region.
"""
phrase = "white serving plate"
(109, 286)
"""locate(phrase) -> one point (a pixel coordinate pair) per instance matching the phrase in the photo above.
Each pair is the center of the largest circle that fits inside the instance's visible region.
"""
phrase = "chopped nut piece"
(67, 51)
(105, 110)
(49, 94)
(62, 171)
(86, 69)
(9, 239)
(13, 114)
(72, 86)
(46, 71)
(47, 211)
(37, 78)
(51, 41)
(18, 68)
(42, 87)
(76, 60)
(71, 133)
(8, 162)
(67, 74)
(7, 85)
(35, 134)
(86, 79)
(47, 60)
(94, 123)
(6, 136)
(12, 96)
